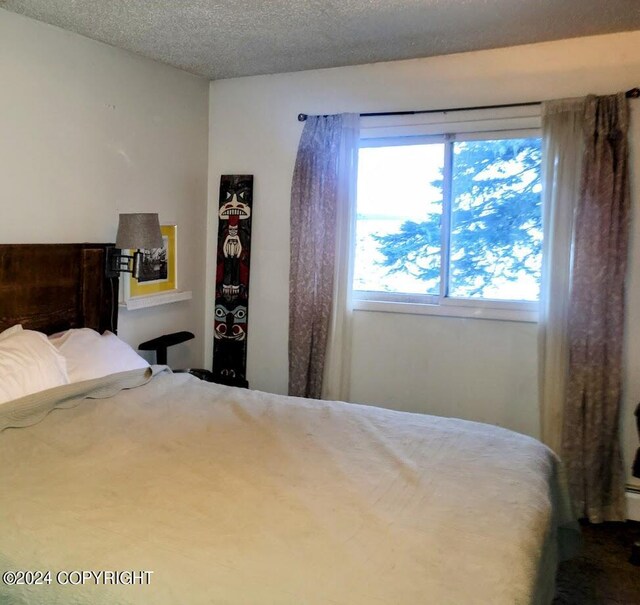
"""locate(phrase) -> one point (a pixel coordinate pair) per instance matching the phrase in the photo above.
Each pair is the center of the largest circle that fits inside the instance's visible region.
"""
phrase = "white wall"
(88, 131)
(478, 369)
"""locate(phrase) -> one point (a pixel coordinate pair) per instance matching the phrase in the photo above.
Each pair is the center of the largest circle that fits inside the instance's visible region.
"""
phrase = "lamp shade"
(139, 231)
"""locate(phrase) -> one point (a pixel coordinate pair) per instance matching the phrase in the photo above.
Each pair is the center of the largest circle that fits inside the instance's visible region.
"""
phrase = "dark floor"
(601, 574)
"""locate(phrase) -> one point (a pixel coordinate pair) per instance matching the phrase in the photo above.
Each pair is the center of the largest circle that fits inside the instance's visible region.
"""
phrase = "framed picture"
(159, 267)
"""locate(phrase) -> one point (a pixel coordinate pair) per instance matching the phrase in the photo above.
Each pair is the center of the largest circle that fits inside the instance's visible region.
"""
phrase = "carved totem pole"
(232, 280)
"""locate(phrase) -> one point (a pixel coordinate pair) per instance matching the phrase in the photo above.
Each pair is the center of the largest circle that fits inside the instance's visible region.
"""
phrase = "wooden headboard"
(55, 287)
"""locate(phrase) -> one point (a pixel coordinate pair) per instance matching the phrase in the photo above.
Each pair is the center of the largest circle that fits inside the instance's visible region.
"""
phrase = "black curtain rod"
(634, 93)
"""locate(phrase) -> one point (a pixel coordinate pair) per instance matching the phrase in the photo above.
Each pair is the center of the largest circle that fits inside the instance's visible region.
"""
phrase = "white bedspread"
(240, 497)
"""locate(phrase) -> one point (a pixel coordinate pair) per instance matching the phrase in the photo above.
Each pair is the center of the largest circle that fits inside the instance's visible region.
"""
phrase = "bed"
(210, 494)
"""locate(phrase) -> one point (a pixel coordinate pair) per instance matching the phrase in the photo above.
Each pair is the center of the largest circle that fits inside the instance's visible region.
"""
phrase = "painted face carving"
(230, 324)
(235, 203)
(232, 247)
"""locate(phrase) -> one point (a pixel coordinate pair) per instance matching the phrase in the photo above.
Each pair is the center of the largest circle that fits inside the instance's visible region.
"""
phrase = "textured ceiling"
(228, 38)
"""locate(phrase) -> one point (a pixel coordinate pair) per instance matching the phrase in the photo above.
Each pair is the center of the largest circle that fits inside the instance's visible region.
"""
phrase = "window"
(451, 222)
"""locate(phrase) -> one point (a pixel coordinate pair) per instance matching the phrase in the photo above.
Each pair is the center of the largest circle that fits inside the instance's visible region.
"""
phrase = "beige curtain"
(563, 150)
(590, 437)
(319, 193)
(337, 368)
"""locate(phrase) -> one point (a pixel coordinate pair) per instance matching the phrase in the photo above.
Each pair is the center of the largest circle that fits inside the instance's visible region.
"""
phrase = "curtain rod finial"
(302, 117)
(634, 93)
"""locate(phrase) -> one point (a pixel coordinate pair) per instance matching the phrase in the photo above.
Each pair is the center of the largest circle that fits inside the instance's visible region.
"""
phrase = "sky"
(395, 182)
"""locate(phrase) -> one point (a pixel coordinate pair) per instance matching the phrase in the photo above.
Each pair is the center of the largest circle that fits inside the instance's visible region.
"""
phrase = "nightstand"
(162, 343)
(211, 377)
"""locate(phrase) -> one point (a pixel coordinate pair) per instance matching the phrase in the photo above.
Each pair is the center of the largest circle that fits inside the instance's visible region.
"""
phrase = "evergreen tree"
(496, 231)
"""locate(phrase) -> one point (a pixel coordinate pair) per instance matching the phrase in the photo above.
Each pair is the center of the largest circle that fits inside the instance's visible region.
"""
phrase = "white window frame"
(388, 131)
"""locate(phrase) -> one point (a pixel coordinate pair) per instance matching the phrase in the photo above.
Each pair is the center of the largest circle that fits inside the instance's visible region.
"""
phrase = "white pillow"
(10, 331)
(28, 364)
(90, 355)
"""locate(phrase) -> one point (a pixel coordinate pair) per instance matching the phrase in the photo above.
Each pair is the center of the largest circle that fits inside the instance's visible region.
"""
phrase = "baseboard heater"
(633, 502)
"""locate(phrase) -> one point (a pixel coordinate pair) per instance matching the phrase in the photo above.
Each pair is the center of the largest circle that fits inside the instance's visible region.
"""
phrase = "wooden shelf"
(153, 300)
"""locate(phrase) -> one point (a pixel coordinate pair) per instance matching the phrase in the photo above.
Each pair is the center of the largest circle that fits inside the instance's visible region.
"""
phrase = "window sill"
(448, 310)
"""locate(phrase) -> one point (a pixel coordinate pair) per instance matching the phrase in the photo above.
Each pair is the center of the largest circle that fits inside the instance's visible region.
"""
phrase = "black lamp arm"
(123, 263)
